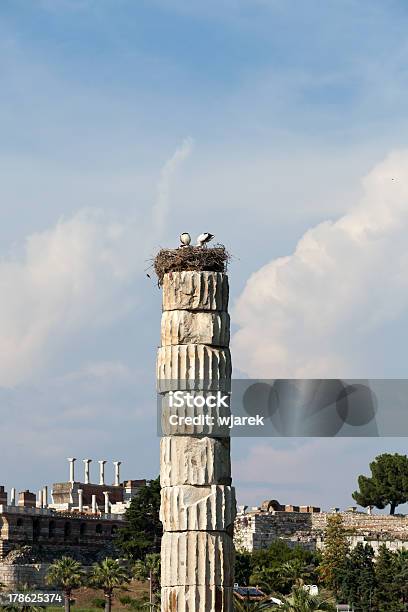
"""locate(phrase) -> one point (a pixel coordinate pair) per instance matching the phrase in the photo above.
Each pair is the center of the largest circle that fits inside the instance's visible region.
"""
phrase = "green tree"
(334, 556)
(267, 566)
(149, 569)
(401, 575)
(67, 574)
(301, 601)
(243, 568)
(143, 530)
(108, 575)
(389, 582)
(400, 578)
(388, 484)
(358, 582)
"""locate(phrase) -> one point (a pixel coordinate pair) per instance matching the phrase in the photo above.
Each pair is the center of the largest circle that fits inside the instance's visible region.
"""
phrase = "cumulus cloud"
(77, 275)
(70, 277)
(311, 313)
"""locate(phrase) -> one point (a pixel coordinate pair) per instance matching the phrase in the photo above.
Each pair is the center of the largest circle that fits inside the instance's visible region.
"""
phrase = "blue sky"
(281, 127)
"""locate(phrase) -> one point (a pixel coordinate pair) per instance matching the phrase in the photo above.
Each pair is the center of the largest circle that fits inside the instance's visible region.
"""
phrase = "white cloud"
(102, 371)
(72, 277)
(309, 314)
(300, 471)
(162, 206)
(75, 276)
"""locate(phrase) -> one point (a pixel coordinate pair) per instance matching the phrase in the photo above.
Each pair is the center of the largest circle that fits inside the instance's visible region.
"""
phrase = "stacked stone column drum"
(198, 502)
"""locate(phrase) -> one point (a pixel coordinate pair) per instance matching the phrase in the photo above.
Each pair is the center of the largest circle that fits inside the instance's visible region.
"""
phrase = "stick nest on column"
(191, 258)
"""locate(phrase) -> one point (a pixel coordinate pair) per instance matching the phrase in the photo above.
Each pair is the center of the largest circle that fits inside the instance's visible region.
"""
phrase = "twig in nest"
(200, 259)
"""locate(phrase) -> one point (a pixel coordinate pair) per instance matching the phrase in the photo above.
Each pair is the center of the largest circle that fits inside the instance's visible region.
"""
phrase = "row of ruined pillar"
(42, 500)
(87, 463)
(94, 507)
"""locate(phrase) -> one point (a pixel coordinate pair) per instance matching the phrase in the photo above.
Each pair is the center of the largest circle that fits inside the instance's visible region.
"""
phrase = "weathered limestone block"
(192, 365)
(187, 508)
(197, 599)
(196, 558)
(184, 327)
(194, 461)
(194, 417)
(195, 291)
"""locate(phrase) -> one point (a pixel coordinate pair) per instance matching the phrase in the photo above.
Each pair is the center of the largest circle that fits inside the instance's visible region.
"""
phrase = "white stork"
(185, 239)
(204, 238)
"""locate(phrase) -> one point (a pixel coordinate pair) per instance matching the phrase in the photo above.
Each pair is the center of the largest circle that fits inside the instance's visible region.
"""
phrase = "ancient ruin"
(258, 527)
(198, 502)
(79, 518)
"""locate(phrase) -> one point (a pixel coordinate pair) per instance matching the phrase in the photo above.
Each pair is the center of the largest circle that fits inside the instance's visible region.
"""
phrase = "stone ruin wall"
(372, 529)
(396, 526)
(31, 575)
(256, 530)
(50, 534)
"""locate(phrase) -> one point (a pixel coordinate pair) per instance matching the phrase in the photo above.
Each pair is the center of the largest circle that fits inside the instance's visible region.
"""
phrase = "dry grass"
(84, 596)
(192, 258)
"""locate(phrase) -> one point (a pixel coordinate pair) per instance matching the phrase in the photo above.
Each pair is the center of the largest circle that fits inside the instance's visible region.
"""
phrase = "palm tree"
(295, 572)
(108, 575)
(268, 578)
(149, 569)
(301, 601)
(251, 606)
(68, 575)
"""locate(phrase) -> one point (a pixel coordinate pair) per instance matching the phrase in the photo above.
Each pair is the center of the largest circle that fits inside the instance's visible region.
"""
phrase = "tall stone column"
(198, 502)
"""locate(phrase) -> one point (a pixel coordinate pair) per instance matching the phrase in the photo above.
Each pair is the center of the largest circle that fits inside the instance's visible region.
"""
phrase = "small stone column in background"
(80, 500)
(106, 494)
(102, 471)
(71, 469)
(117, 465)
(87, 463)
(45, 497)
